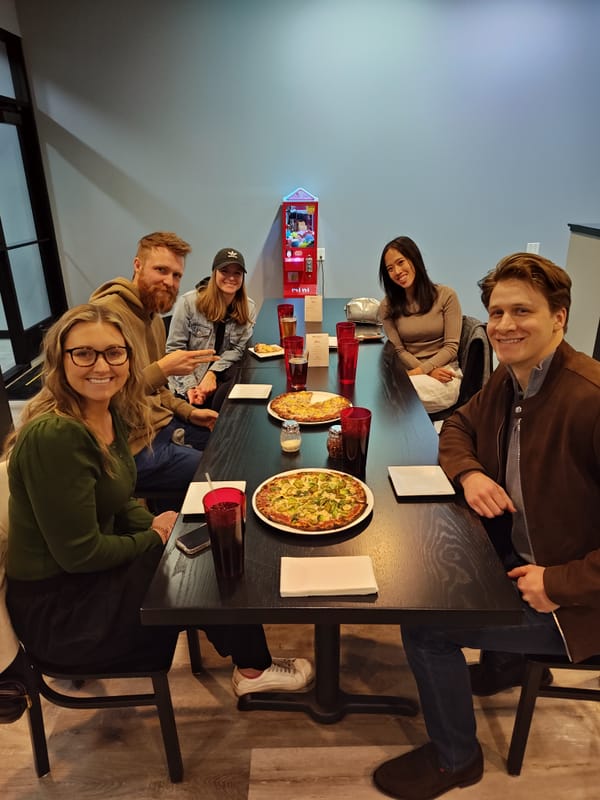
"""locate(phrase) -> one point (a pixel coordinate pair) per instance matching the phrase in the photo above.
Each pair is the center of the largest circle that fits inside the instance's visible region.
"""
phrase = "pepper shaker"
(334, 441)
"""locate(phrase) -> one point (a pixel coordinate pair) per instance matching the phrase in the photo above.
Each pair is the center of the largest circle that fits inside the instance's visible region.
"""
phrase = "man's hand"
(530, 582)
(182, 362)
(442, 374)
(204, 417)
(484, 495)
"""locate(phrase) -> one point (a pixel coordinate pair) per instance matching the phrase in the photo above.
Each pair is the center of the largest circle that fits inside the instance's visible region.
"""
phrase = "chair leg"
(529, 693)
(168, 728)
(37, 734)
(194, 648)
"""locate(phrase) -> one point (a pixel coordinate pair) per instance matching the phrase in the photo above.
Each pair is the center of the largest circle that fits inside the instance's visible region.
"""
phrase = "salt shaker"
(290, 437)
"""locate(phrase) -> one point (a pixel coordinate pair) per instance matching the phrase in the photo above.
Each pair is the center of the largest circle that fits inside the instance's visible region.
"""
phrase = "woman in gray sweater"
(422, 321)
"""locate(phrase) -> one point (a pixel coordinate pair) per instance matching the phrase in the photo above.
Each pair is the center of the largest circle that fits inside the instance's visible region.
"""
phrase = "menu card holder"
(317, 347)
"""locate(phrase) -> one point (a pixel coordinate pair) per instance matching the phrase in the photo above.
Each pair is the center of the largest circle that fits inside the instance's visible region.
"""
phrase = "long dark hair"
(425, 289)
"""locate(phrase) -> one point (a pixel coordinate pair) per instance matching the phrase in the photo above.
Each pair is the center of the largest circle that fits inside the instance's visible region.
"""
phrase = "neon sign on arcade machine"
(299, 215)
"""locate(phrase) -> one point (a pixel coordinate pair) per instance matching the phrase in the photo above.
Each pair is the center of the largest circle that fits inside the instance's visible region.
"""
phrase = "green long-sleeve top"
(66, 514)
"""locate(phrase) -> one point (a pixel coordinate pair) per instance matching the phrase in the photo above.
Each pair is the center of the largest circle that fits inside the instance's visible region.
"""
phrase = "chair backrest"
(9, 644)
(474, 357)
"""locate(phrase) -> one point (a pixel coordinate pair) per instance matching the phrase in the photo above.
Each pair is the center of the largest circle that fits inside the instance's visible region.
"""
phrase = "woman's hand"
(530, 582)
(196, 396)
(415, 371)
(484, 495)
(163, 524)
(207, 386)
(442, 374)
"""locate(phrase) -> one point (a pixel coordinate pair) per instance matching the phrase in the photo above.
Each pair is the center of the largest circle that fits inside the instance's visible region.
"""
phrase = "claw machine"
(299, 216)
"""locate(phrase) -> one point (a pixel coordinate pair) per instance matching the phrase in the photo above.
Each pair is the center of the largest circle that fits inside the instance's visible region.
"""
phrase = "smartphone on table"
(195, 541)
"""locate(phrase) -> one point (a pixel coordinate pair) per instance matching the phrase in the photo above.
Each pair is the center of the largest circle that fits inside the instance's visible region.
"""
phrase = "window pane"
(6, 84)
(30, 285)
(7, 359)
(15, 208)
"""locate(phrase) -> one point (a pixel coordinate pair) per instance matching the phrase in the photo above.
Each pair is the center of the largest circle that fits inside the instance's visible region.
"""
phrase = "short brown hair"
(162, 239)
(541, 273)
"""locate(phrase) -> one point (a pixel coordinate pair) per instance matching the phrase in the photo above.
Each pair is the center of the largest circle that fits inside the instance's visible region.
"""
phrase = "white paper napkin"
(420, 481)
(250, 391)
(326, 575)
(196, 491)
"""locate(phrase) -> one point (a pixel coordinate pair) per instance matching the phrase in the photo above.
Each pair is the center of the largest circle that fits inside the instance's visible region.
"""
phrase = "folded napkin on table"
(326, 575)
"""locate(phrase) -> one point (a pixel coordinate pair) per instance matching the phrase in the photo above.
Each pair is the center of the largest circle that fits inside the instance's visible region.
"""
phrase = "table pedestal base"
(326, 702)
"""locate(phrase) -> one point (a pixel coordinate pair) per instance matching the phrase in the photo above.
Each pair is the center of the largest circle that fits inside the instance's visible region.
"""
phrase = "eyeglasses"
(87, 356)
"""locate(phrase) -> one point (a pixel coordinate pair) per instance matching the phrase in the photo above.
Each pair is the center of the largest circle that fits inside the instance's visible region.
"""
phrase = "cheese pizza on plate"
(308, 406)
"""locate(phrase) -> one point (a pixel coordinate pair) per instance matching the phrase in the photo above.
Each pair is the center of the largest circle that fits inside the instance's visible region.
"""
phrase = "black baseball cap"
(228, 256)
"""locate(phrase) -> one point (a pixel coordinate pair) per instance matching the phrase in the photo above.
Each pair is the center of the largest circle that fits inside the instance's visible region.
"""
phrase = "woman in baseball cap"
(218, 313)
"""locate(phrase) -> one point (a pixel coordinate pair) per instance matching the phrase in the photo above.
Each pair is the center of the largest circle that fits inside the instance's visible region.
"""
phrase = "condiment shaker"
(290, 437)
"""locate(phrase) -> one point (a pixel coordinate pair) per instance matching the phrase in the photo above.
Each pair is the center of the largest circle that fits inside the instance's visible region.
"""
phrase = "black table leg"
(326, 702)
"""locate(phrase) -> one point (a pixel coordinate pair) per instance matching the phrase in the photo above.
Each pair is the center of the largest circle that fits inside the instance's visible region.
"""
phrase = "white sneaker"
(284, 675)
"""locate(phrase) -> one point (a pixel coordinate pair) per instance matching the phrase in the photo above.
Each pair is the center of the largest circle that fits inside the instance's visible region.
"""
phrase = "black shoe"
(418, 776)
(486, 681)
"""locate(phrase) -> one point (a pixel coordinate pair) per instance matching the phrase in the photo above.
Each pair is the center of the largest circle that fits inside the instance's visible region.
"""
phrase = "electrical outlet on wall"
(533, 247)
(320, 254)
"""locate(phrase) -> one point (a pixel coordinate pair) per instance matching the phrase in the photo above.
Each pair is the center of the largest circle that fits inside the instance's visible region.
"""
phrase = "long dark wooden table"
(432, 560)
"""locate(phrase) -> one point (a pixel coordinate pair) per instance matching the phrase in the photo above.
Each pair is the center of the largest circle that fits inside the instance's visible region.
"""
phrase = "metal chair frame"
(160, 697)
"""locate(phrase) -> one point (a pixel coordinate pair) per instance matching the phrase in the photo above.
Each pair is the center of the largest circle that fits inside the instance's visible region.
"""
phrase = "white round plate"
(274, 354)
(317, 397)
(287, 529)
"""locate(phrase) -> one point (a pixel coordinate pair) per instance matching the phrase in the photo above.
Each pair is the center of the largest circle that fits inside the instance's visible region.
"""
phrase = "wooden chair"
(34, 673)
(531, 690)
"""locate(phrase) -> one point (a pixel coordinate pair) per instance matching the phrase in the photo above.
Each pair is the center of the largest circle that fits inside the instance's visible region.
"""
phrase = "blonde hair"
(57, 395)
(211, 303)
(167, 239)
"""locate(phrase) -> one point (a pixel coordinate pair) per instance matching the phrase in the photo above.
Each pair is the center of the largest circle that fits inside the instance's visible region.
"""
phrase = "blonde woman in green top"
(81, 550)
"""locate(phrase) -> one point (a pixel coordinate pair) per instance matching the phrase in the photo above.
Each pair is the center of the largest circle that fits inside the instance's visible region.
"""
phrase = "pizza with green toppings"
(311, 500)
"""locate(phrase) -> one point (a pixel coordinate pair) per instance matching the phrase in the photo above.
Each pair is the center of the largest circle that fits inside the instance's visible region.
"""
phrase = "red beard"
(157, 299)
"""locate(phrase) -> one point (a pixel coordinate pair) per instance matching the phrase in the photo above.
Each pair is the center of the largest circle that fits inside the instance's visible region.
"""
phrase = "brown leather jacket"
(560, 478)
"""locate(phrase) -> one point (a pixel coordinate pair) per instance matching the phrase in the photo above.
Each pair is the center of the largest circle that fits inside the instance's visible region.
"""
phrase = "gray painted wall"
(8, 16)
(470, 125)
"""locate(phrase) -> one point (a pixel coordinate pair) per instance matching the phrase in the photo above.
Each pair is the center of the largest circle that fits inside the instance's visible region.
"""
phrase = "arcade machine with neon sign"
(299, 215)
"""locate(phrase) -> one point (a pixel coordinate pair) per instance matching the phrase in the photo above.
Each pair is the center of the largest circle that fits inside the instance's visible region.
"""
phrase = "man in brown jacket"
(526, 452)
(158, 266)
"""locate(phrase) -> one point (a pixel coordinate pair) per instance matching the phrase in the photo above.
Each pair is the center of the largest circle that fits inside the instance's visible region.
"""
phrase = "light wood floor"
(229, 755)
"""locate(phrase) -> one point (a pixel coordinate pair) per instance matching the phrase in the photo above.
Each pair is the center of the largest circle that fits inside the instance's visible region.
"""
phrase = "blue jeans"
(438, 664)
(170, 467)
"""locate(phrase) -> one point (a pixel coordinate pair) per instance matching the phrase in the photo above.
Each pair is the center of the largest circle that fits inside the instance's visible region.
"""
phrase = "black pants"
(94, 619)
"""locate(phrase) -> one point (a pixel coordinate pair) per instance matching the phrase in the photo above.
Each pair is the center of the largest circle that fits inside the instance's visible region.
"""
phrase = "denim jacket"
(190, 330)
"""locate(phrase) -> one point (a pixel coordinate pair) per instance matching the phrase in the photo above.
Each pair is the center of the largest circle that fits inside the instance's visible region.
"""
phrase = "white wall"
(470, 125)
(8, 16)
